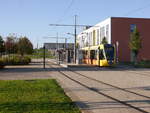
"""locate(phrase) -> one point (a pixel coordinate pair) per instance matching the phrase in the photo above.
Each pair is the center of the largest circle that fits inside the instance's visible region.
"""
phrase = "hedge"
(15, 60)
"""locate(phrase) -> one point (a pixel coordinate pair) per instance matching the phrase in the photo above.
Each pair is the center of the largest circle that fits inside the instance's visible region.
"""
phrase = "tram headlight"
(110, 62)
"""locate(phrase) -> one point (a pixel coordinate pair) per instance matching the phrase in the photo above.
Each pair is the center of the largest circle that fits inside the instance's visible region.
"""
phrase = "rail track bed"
(130, 99)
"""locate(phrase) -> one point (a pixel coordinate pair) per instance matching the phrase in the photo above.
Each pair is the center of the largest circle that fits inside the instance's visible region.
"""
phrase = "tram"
(101, 55)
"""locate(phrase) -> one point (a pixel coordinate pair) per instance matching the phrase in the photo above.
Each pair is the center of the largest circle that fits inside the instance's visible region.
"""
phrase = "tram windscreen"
(109, 51)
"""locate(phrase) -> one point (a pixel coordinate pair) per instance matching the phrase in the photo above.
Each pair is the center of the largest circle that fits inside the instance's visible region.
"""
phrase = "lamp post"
(75, 39)
(44, 57)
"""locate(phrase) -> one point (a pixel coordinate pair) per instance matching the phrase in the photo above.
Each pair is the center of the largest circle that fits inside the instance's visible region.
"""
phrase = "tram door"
(102, 59)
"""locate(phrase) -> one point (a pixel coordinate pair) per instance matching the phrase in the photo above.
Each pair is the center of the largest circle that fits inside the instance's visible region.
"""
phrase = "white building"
(94, 35)
(117, 31)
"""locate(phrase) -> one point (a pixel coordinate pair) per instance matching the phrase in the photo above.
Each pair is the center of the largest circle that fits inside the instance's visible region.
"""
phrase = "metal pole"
(117, 56)
(57, 49)
(44, 57)
(75, 39)
(65, 50)
(65, 43)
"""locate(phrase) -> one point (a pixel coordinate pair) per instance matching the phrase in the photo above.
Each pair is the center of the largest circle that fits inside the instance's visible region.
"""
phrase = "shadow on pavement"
(85, 105)
(38, 67)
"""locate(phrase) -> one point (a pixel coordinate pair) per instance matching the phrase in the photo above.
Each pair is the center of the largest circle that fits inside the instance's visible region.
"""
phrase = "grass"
(143, 64)
(140, 64)
(34, 96)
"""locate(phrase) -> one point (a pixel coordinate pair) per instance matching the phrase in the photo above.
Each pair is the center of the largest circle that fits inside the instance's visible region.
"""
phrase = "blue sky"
(31, 18)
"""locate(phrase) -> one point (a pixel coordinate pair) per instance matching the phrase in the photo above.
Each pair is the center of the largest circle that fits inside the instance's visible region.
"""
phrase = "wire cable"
(65, 11)
(136, 10)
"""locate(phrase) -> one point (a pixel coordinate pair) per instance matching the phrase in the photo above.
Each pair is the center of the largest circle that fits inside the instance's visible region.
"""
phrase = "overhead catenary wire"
(136, 10)
(65, 11)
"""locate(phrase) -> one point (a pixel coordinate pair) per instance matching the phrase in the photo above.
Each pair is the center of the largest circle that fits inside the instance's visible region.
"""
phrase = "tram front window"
(109, 51)
(101, 55)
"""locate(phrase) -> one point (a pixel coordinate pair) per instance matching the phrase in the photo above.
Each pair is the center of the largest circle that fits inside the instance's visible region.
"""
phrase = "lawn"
(34, 96)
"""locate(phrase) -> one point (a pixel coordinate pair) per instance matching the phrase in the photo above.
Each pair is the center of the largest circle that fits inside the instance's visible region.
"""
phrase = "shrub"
(2, 64)
(143, 64)
(16, 60)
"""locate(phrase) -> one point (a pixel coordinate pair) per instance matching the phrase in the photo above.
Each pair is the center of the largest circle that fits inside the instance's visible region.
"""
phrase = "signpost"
(117, 52)
(44, 57)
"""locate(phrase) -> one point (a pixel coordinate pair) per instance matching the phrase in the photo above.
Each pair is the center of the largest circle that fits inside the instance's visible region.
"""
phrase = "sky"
(31, 18)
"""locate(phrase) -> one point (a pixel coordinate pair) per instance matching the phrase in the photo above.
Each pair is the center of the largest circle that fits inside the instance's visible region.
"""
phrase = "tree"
(25, 46)
(11, 44)
(135, 45)
(2, 47)
(104, 40)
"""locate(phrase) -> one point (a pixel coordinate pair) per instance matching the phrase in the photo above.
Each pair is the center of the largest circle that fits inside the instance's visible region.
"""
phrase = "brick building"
(118, 30)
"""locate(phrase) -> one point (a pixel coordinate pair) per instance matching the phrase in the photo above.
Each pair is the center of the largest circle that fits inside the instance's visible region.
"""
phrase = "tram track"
(146, 74)
(101, 93)
(143, 74)
(148, 97)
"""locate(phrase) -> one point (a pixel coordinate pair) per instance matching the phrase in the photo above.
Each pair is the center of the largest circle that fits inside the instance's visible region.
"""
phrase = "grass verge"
(34, 96)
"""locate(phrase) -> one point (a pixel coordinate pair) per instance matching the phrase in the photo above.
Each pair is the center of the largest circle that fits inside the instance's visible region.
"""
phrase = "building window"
(107, 32)
(102, 33)
(91, 36)
(132, 27)
(97, 36)
(88, 37)
(94, 37)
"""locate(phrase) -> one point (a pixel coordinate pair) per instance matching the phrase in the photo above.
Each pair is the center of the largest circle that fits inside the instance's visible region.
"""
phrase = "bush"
(143, 64)
(2, 64)
(16, 60)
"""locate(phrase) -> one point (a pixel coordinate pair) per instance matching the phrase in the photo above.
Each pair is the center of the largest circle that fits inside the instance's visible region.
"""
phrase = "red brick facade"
(120, 31)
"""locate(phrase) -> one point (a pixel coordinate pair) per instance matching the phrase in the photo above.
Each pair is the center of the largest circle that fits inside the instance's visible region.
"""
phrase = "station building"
(117, 31)
(64, 51)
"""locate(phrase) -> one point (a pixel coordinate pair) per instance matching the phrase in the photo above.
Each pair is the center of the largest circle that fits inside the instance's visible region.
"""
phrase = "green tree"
(104, 41)
(25, 46)
(135, 45)
(2, 47)
(11, 45)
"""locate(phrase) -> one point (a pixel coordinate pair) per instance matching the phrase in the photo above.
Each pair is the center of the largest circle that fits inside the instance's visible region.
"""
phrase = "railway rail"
(100, 92)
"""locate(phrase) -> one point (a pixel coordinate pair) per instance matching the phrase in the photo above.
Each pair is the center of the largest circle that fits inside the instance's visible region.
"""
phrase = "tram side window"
(93, 54)
(84, 54)
(101, 55)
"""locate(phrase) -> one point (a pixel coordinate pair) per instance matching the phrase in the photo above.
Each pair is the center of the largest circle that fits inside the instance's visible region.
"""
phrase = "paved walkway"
(131, 79)
(90, 101)
(32, 71)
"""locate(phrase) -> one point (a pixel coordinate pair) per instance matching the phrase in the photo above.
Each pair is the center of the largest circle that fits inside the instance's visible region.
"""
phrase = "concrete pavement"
(135, 80)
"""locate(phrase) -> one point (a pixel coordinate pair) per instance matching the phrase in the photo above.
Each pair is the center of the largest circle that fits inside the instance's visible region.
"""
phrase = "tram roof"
(96, 47)
(85, 48)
